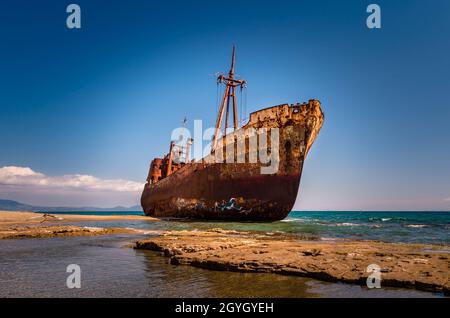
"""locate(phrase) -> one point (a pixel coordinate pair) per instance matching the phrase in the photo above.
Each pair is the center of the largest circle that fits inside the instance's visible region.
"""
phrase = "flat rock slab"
(57, 231)
(8, 218)
(419, 266)
(15, 225)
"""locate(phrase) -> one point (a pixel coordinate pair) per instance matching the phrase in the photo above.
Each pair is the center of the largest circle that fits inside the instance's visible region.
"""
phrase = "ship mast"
(229, 96)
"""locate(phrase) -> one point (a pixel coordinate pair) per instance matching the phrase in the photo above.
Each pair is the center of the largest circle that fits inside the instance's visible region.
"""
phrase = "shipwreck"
(232, 183)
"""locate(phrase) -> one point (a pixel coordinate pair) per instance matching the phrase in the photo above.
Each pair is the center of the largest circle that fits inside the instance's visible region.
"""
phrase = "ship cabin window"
(159, 178)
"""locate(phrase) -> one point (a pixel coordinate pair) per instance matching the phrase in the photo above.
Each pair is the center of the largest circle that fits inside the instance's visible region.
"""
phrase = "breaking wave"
(346, 224)
(377, 219)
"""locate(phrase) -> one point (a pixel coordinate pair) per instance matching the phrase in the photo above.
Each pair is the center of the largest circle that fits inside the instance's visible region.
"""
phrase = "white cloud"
(447, 200)
(24, 176)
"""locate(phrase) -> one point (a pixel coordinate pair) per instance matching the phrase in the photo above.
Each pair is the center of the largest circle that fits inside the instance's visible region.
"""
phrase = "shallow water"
(109, 268)
(406, 227)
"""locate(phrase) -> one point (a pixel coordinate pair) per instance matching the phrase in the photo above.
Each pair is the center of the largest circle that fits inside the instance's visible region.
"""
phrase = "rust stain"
(205, 190)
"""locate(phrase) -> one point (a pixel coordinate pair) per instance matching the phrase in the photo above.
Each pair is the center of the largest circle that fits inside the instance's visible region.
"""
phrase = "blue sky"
(102, 101)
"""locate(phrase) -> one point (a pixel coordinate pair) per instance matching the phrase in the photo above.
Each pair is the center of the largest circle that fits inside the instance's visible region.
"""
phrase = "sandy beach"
(15, 225)
(9, 217)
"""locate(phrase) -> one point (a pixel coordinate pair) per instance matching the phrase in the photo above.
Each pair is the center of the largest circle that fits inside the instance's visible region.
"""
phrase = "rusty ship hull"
(239, 191)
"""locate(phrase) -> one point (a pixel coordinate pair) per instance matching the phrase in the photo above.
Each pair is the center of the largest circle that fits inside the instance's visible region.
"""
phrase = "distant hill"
(10, 205)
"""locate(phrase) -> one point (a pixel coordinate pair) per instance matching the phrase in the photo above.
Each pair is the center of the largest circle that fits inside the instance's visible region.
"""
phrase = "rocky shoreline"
(17, 225)
(58, 231)
(417, 266)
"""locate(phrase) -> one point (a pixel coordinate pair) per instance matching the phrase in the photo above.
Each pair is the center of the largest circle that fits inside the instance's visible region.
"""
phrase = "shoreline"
(403, 265)
(19, 225)
(415, 266)
(59, 231)
(24, 217)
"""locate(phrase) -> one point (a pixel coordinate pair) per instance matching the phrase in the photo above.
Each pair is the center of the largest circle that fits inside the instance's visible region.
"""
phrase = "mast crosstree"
(229, 96)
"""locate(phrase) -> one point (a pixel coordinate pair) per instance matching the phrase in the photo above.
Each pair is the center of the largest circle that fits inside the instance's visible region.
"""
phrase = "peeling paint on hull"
(254, 199)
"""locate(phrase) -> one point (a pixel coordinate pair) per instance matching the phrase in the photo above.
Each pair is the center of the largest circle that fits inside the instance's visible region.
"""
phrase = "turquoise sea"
(407, 227)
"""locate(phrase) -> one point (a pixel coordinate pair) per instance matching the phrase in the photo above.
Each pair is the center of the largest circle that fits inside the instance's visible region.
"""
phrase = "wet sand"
(417, 266)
